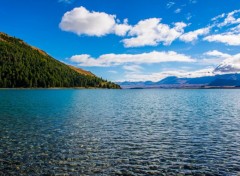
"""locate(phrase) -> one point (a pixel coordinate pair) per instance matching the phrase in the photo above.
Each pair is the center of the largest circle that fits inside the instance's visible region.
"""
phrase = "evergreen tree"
(24, 66)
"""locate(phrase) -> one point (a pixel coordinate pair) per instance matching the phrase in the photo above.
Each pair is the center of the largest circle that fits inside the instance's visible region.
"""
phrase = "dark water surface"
(120, 132)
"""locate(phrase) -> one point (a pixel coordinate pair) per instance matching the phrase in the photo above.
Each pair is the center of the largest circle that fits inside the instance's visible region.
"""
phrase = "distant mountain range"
(224, 76)
(217, 81)
(25, 66)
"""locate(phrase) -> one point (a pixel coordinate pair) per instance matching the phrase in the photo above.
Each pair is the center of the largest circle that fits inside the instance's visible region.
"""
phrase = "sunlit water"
(120, 132)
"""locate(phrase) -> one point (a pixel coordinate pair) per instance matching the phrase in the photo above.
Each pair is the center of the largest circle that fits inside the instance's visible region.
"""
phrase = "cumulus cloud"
(151, 32)
(122, 29)
(83, 22)
(216, 53)
(226, 38)
(193, 35)
(228, 60)
(148, 32)
(107, 60)
(228, 63)
(233, 61)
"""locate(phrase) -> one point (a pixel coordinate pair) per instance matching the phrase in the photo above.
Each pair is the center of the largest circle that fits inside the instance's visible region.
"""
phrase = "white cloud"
(161, 75)
(148, 32)
(170, 4)
(236, 29)
(85, 60)
(215, 53)
(233, 61)
(192, 1)
(122, 29)
(218, 17)
(107, 60)
(228, 19)
(83, 22)
(66, 1)
(178, 10)
(151, 32)
(210, 61)
(229, 63)
(188, 16)
(232, 35)
(193, 35)
(213, 57)
(226, 38)
(226, 64)
(132, 68)
(112, 71)
(228, 60)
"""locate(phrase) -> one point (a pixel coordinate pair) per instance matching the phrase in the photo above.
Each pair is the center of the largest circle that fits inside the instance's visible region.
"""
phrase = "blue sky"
(130, 39)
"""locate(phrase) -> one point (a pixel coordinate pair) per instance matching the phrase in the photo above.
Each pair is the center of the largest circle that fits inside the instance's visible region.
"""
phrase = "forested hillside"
(23, 66)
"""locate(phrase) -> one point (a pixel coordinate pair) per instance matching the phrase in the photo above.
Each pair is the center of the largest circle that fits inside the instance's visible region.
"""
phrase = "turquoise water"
(120, 132)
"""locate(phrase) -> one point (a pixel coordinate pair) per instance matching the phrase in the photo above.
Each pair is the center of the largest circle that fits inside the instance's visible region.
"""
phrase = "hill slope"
(22, 65)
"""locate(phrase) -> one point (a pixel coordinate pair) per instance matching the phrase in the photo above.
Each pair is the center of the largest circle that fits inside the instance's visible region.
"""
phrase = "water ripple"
(119, 132)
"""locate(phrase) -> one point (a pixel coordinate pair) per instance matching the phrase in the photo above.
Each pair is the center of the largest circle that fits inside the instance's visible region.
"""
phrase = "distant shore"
(205, 87)
(124, 88)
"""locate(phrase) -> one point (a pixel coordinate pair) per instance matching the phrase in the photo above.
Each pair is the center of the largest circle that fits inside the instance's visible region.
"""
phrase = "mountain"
(226, 74)
(186, 81)
(224, 80)
(226, 68)
(24, 66)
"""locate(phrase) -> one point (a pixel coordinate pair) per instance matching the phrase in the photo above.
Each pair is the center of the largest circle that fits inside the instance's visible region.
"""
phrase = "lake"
(120, 132)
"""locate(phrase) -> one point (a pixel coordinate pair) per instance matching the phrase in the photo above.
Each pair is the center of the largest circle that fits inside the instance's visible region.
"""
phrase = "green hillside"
(24, 66)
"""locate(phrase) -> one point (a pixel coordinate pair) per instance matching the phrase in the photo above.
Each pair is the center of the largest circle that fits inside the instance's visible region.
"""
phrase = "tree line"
(23, 66)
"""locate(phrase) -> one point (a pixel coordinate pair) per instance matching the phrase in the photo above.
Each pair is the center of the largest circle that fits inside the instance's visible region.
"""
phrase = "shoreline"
(129, 88)
(52, 88)
(225, 87)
